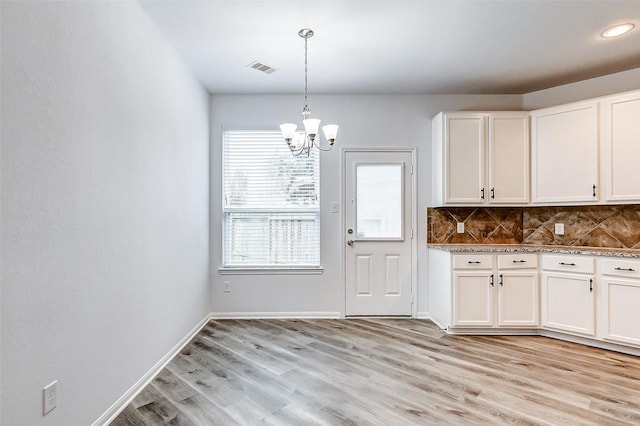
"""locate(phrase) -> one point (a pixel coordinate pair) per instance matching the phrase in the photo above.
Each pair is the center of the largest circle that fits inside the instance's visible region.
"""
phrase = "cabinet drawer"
(580, 264)
(621, 268)
(518, 261)
(473, 261)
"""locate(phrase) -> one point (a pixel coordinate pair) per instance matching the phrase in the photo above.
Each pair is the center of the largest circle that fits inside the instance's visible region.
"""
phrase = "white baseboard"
(590, 342)
(423, 315)
(274, 315)
(129, 395)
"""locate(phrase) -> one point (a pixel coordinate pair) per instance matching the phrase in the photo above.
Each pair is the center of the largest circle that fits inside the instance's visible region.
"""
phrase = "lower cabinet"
(593, 298)
(495, 291)
(518, 299)
(568, 297)
(621, 301)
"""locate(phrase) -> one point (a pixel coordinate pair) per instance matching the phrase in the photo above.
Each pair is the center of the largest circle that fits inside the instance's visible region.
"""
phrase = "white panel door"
(474, 299)
(509, 158)
(621, 139)
(518, 299)
(465, 158)
(378, 233)
(568, 303)
(564, 154)
(621, 310)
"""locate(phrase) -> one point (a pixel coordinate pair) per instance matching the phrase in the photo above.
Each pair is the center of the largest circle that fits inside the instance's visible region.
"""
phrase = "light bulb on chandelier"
(302, 144)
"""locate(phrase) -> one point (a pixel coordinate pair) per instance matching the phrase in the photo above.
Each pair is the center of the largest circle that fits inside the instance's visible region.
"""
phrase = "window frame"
(241, 269)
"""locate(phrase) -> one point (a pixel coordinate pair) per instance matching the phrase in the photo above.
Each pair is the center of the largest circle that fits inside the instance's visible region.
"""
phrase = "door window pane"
(379, 201)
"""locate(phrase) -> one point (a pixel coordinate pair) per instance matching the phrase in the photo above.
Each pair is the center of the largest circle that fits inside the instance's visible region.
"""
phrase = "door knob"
(350, 242)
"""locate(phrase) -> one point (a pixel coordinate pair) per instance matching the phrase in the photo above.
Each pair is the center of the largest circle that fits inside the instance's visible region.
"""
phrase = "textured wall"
(104, 217)
(366, 121)
(586, 226)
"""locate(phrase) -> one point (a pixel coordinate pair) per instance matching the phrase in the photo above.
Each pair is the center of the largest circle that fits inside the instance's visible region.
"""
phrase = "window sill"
(272, 271)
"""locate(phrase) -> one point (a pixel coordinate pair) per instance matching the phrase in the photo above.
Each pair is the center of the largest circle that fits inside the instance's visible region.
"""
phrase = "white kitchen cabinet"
(564, 153)
(480, 158)
(508, 170)
(473, 299)
(518, 291)
(567, 294)
(494, 291)
(621, 301)
(621, 147)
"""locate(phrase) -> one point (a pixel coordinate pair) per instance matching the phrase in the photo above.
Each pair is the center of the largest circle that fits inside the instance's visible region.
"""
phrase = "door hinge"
(411, 169)
(412, 233)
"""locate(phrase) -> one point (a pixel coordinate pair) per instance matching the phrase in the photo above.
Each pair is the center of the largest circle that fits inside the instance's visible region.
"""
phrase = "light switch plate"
(559, 229)
(460, 227)
(49, 397)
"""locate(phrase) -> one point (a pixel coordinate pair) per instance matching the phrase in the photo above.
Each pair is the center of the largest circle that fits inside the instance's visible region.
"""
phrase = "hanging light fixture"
(303, 143)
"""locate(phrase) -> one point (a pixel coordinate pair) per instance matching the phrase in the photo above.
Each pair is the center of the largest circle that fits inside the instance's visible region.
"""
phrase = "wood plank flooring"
(384, 372)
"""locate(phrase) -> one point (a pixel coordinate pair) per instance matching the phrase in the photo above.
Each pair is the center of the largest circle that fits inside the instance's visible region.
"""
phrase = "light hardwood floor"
(384, 371)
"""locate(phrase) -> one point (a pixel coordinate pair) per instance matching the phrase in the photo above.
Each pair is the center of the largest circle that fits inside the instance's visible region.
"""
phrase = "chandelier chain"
(306, 107)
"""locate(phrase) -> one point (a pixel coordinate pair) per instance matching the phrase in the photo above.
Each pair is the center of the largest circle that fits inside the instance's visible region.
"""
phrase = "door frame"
(414, 224)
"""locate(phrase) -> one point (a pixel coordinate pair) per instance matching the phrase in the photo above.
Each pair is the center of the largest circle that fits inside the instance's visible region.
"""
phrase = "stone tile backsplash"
(615, 226)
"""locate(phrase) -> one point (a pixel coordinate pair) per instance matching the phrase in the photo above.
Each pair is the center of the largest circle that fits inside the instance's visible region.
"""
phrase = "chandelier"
(298, 142)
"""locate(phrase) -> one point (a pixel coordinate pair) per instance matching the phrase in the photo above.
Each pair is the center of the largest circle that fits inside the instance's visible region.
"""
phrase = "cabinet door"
(564, 150)
(621, 313)
(568, 303)
(621, 139)
(473, 299)
(509, 158)
(464, 158)
(518, 299)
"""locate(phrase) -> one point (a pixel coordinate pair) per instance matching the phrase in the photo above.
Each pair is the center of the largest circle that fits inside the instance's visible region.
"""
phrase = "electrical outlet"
(227, 286)
(460, 227)
(559, 229)
(49, 397)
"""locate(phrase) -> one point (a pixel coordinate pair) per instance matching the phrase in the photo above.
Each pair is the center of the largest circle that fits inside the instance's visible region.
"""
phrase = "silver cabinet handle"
(567, 264)
(472, 262)
(519, 261)
(624, 269)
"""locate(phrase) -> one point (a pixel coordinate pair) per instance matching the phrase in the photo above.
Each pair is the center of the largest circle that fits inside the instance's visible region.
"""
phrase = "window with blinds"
(271, 202)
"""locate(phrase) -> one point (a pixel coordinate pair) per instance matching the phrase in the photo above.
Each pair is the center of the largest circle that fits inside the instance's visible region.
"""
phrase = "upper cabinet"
(508, 158)
(564, 150)
(480, 158)
(621, 147)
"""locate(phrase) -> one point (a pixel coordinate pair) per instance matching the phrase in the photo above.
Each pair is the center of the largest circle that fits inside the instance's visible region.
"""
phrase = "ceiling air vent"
(261, 67)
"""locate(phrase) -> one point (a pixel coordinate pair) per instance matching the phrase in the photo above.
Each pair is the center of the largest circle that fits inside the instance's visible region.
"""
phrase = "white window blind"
(271, 202)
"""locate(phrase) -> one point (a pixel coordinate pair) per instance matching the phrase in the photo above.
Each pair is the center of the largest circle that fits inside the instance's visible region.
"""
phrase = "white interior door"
(378, 232)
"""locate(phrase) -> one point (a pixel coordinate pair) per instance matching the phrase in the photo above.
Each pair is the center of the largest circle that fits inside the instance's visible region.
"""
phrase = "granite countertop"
(527, 248)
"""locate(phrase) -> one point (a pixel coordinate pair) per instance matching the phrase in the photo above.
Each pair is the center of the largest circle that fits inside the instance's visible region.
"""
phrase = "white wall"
(366, 121)
(104, 218)
(586, 89)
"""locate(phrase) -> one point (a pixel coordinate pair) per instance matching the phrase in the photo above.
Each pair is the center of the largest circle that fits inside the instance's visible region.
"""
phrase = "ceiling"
(398, 46)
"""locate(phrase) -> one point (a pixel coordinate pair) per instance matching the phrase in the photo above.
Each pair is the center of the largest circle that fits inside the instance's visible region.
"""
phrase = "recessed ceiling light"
(617, 30)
